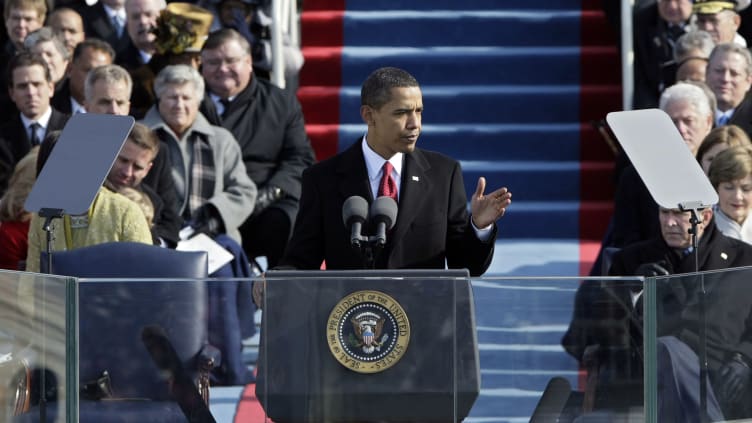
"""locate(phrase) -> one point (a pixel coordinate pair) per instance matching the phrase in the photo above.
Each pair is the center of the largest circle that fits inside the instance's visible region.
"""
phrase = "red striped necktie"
(388, 186)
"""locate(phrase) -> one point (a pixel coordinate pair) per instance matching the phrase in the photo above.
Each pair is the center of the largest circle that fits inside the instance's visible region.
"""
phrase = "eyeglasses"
(218, 62)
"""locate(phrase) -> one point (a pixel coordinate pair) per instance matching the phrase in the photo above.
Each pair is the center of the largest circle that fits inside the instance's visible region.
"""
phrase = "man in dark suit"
(657, 27)
(106, 20)
(87, 55)
(31, 89)
(21, 18)
(141, 20)
(729, 76)
(606, 326)
(433, 229)
(268, 123)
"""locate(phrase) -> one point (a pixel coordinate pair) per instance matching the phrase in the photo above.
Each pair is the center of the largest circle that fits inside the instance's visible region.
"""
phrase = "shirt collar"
(111, 13)
(217, 100)
(145, 57)
(727, 113)
(374, 162)
(76, 107)
(42, 121)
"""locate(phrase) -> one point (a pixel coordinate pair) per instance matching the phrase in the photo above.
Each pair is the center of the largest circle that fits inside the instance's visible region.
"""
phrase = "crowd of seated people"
(217, 147)
(46, 72)
(707, 51)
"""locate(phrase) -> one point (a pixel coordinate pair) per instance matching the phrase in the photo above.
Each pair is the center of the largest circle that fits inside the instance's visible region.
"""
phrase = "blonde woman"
(111, 217)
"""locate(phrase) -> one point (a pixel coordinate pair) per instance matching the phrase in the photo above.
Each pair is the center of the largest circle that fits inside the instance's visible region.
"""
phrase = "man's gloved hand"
(652, 269)
(265, 197)
(206, 220)
(734, 378)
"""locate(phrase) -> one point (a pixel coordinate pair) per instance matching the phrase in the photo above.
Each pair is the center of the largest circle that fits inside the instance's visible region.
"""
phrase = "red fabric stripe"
(249, 408)
(600, 93)
(321, 78)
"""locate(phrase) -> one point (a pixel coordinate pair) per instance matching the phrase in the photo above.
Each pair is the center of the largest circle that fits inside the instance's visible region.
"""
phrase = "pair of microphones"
(382, 215)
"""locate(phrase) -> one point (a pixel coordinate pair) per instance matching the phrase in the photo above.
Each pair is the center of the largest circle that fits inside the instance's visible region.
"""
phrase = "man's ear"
(366, 113)
(707, 214)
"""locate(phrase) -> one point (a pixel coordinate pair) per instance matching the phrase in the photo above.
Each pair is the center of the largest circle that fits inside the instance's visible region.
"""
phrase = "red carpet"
(249, 408)
(588, 252)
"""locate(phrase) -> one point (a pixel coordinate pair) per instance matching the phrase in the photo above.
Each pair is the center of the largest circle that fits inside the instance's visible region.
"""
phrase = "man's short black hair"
(377, 88)
(94, 44)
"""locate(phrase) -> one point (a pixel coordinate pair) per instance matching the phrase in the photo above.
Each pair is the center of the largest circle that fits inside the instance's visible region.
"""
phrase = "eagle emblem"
(367, 328)
(368, 331)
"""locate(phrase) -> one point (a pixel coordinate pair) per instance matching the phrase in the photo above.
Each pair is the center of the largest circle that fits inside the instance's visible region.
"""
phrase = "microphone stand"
(369, 248)
(369, 255)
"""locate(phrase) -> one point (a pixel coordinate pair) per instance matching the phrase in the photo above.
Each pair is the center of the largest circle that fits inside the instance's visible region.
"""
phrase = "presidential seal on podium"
(368, 331)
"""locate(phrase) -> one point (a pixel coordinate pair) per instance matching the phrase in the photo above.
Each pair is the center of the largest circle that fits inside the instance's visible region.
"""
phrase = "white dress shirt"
(374, 166)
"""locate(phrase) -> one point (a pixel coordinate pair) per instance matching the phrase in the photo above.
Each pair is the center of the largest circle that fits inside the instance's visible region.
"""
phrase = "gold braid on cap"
(713, 6)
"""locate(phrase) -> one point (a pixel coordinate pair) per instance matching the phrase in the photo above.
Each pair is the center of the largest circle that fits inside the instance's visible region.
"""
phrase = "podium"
(368, 346)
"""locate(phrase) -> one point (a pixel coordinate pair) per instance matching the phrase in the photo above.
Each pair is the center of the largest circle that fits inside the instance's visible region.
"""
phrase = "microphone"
(354, 215)
(383, 214)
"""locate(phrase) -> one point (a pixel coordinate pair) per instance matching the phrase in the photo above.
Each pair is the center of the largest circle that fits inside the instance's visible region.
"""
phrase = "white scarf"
(730, 228)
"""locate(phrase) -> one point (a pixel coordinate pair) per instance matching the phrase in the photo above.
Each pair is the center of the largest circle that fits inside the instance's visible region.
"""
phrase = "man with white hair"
(691, 56)
(690, 110)
(52, 48)
(140, 22)
(721, 19)
(635, 211)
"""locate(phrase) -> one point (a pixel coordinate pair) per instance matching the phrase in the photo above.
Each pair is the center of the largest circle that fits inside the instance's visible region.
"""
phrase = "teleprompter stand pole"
(703, 353)
(48, 215)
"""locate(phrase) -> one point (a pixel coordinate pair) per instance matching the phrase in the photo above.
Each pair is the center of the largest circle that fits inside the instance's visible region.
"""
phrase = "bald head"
(68, 25)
